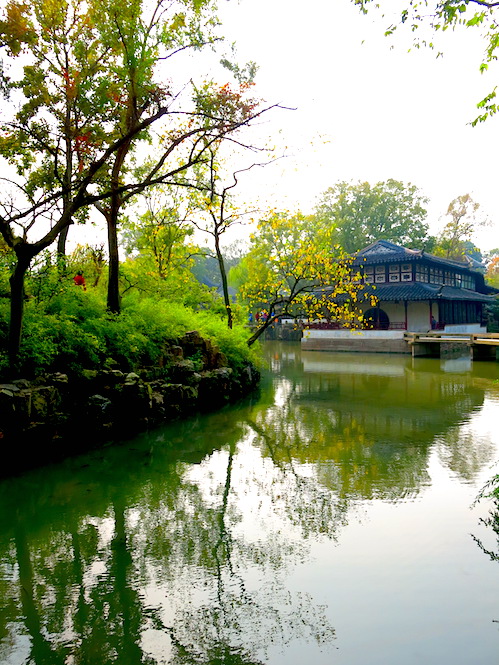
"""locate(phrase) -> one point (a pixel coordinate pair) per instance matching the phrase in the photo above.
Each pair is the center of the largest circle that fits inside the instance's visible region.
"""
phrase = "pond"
(329, 519)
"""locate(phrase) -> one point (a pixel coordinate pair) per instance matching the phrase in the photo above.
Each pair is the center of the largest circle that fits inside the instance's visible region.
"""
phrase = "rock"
(89, 374)
(203, 350)
(215, 388)
(21, 383)
(100, 402)
(57, 377)
(44, 402)
(179, 399)
(96, 406)
(11, 388)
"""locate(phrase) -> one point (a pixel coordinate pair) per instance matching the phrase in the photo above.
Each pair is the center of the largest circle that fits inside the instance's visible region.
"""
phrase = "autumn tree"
(295, 271)
(142, 36)
(493, 272)
(464, 219)
(67, 161)
(360, 213)
(63, 71)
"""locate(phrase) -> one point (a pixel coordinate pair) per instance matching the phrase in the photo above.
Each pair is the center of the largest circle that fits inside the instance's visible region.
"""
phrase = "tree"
(140, 35)
(158, 236)
(220, 213)
(441, 15)
(238, 273)
(360, 213)
(159, 256)
(62, 74)
(295, 271)
(115, 101)
(454, 241)
(493, 272)
(90, 259)
(205, 265)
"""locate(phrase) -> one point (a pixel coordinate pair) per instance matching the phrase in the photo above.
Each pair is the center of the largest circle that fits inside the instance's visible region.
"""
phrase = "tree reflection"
(368, 427)
(181, 547)
(146, 564)
(491, 522)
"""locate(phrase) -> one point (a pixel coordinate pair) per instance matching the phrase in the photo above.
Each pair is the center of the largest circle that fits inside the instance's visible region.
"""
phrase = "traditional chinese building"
(416, 292)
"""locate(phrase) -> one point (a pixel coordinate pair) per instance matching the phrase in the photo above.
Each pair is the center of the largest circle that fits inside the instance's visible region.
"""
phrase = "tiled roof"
(419, 291)
(383, 251)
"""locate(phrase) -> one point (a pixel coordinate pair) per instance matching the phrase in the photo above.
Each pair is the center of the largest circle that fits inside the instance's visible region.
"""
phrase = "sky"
(361, 107)
(367, 107)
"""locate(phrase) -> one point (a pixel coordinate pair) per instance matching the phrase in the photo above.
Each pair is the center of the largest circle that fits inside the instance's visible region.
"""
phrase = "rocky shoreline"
(56, 416)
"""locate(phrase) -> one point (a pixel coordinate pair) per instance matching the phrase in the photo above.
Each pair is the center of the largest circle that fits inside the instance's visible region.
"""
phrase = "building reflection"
(370, 422)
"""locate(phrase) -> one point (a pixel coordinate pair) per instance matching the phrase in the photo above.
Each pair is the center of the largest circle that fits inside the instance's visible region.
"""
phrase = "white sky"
(365, 111)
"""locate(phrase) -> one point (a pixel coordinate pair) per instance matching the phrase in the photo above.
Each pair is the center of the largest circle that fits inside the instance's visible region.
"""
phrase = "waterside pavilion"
(415, 292)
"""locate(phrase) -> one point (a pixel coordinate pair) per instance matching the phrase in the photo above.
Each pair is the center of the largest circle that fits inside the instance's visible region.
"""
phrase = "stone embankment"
(55, 416)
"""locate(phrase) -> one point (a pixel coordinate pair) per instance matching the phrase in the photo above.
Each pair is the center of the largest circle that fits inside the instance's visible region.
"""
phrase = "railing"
(442, 337)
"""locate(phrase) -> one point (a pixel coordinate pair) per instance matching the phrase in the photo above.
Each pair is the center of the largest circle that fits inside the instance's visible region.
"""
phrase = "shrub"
(233, 343)
(74, 331)
(57, 343)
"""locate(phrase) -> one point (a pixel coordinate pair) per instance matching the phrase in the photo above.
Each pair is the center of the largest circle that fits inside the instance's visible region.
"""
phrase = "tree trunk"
(16, 309)
(67, 179)
(259, 331)
(61, 246)
(113, 285)
(225, 287)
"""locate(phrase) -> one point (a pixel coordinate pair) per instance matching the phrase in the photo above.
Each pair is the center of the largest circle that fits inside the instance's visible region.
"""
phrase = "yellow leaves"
(16, 29)
(178, 22)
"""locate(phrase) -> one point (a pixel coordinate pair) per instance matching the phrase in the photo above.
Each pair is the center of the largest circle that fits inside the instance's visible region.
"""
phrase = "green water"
(328, 519)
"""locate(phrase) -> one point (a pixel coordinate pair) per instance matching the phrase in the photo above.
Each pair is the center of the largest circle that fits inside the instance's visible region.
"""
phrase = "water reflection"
(180, 546)
(112, 561)
(367, 422)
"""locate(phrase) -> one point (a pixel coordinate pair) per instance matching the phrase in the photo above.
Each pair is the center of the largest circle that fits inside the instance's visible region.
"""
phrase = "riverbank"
(56, 416)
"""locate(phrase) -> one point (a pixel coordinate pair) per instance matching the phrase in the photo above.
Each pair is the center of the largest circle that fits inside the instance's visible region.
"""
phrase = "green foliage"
(361, 213)
(74, 331)
(463, 220)
(232, 342)
(91, 260)
(138, 278)
(159, 237)
(7, 260)
(238, 274)
(79, 305)
(207, 270)
(493, 272)
(88, 88)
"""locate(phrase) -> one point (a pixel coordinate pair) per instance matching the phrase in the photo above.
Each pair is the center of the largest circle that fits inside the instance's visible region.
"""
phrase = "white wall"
(465, 328)
(349, 334)
(418, 316)
(394, 311)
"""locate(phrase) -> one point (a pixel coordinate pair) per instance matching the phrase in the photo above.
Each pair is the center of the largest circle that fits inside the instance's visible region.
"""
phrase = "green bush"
(73, 331)
(233, 343)
(57, 343)
(80, 305)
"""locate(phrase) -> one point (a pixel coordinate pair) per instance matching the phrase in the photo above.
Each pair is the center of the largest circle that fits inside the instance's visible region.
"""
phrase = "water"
(327, 520)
